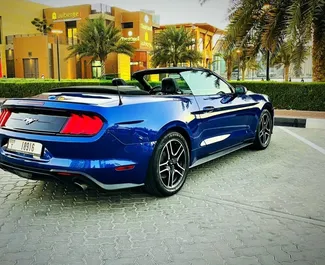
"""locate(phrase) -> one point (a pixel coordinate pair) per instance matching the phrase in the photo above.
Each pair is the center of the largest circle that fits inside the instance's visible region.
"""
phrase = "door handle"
(208, 109)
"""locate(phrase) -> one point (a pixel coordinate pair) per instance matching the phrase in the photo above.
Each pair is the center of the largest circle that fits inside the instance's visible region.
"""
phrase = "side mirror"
(240, 90)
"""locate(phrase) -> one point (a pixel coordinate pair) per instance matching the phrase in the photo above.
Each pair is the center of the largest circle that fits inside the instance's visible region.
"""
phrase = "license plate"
(25, 147)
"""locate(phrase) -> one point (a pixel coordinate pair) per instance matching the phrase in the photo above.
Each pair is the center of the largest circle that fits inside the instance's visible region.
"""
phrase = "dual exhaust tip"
(75, 180)
(81, 185)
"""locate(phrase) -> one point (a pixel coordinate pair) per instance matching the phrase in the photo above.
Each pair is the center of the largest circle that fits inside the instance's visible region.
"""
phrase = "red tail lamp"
(82, 125)
(4, 116)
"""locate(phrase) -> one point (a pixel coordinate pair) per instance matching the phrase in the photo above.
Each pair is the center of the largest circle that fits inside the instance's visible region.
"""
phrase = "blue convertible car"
(124, 136)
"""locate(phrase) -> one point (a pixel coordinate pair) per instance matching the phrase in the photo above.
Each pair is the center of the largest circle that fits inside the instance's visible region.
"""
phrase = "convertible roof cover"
(167, 70)
(128, 90)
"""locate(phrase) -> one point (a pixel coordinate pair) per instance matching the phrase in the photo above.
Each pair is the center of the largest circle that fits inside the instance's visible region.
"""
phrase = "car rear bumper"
(102, 172)
(65, 176)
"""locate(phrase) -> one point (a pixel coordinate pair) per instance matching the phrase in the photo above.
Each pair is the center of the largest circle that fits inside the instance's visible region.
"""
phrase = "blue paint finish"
(227, 114)
(131, 131)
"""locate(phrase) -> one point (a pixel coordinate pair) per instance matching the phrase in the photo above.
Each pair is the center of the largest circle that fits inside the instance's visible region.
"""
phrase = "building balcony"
(101, 9)
(63, 40)
(98, 10)
(10, 38)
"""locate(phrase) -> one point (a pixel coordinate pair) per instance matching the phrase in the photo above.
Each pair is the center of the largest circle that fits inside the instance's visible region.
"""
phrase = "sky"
(213, 12)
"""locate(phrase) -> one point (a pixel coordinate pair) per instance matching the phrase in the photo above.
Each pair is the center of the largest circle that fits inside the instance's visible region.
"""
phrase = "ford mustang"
(124, 136)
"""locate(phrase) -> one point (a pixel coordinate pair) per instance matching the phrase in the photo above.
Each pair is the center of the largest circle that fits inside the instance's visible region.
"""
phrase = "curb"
(309, 123)
(290, 122)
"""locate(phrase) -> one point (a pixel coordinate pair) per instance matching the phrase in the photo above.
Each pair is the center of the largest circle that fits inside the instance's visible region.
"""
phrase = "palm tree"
(247, 59)
(242, 57)
(270, 23)
(98, 41)
(253, 65)
(173, 46)
(285, 57)
(227, 53)
(229, 57)
(306, 21)
(41, 25)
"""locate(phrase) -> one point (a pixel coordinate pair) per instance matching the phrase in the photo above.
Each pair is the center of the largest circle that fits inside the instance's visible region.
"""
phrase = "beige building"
(15, 18)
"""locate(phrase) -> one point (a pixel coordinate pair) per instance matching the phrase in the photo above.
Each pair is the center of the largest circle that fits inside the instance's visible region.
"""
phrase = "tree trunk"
(243, 72)
(286, 72)
(229, 68)
(102, 62)
(318, 55)
(174, 64)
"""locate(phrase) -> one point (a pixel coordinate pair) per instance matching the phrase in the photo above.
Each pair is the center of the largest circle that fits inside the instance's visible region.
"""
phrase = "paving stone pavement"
(248, 208)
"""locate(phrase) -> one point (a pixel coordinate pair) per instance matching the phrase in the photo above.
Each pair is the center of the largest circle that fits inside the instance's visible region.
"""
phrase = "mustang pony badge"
(29, 120)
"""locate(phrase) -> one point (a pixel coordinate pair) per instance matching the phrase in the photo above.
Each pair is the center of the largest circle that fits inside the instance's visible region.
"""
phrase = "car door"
(226, 119)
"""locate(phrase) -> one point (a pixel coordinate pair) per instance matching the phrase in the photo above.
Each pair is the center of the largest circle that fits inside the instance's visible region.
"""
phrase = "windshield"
(205, 83)
(155, 81)
(194, 82)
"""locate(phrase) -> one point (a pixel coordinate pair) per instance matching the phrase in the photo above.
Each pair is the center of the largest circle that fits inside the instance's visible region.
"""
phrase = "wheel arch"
(268, 106)
(179, 127)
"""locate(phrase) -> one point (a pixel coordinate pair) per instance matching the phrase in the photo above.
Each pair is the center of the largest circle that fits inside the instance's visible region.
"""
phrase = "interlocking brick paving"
(249, 207)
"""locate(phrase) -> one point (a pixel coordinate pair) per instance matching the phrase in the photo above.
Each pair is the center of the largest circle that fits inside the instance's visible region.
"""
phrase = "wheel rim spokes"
(170, 178)
(265, 129)
(172, 164)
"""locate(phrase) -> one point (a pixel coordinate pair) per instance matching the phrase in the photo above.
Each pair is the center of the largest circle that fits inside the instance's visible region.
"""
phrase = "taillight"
(82, 125)
(4, 116)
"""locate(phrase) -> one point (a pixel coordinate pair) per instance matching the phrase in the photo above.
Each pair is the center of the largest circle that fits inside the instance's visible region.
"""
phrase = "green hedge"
(299, 96)
(26, 89)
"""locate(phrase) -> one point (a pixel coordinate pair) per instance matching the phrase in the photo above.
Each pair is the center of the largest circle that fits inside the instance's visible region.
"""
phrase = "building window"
(0, 30)
(9, 39)
(96, 68)
(72, 36)
(10, 63)
(71, 27)
(31, 68)
(201, 45)
(127, 25)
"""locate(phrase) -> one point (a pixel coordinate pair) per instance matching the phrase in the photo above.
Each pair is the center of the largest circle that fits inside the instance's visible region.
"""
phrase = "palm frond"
(97, 41)
(174, 45)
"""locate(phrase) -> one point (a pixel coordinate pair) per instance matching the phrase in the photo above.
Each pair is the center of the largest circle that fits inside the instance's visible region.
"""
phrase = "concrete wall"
(67, 66)
(16, 17)
(31, 47)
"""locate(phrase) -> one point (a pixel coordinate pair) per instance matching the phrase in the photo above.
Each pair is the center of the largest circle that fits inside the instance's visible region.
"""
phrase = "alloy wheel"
(265, 129)
(172, 164)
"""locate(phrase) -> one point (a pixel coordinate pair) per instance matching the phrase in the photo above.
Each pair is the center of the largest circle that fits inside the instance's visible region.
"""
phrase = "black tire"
(264, 131)
(166, 166)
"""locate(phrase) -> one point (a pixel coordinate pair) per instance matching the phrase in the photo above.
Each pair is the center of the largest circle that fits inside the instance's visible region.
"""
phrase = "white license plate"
(26, 147)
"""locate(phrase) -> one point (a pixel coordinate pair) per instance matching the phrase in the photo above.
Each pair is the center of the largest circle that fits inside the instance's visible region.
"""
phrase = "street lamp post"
(238, 53)
(58, 32)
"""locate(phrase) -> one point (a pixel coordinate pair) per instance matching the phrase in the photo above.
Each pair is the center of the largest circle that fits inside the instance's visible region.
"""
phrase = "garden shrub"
(290, 95)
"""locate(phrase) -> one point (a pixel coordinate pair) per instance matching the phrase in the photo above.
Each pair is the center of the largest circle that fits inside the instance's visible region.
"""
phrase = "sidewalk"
(300, 114)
